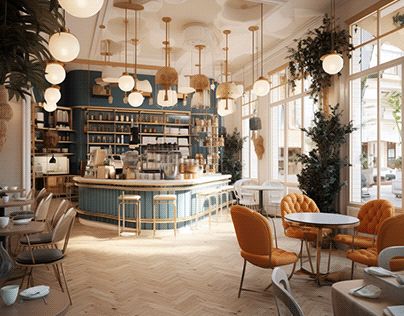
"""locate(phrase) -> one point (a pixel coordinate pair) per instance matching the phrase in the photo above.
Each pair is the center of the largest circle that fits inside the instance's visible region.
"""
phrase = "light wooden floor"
(197, 273)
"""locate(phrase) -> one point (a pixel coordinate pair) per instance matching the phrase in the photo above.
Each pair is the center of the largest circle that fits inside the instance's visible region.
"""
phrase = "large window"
(250, 161)
(290, 111)
(376, 86)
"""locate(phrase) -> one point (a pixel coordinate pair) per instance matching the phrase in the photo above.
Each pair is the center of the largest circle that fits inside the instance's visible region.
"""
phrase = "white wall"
(11, 156)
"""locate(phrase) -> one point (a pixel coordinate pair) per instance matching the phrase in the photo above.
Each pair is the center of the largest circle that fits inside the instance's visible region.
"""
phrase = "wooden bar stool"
(126, 200)
(227, 190)
(206, 195)
(167, 200)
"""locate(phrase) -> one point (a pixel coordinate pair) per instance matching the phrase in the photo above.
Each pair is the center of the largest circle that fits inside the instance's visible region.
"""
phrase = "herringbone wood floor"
(197, 273)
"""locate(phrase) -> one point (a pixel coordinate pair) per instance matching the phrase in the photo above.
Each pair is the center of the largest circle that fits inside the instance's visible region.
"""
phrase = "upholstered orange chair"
(296, 203)
(371, 216)
(254, 237)
(390, 234)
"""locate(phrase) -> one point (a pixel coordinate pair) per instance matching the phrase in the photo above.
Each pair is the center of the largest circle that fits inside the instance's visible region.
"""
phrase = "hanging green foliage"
(24, 29)
(305, 59)
(321, 167)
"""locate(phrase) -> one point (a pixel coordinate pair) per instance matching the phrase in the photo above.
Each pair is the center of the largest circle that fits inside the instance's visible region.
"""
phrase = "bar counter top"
(80, 181)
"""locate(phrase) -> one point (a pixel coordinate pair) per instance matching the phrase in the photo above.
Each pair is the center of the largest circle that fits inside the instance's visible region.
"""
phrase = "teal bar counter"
(98, 198)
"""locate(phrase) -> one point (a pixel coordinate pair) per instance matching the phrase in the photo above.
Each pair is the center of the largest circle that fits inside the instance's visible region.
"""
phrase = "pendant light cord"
(252, 54)
(332, 24)
(136, 41)
(126, 40)
(262, 39)
(226, 66)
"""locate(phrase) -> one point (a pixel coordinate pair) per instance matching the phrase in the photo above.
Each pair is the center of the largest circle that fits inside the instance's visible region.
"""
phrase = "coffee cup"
(4, 220)
(9, 293)
(5, 198)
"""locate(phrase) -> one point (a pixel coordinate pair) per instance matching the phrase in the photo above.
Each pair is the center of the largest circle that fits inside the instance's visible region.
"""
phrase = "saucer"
(35, 292)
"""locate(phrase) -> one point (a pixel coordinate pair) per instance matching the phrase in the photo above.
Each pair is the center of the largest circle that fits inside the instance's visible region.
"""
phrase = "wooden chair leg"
(23, 278)
(242, 278)
(57, 275)
(352, 269)
(293, 271)
(67, 288)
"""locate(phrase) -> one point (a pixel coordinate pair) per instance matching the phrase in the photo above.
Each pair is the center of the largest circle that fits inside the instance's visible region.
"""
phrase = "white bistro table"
(320, 221)
(261, 189)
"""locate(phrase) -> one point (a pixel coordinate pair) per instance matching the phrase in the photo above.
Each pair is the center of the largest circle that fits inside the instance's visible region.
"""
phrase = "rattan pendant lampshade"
(227, 91)
(167, 76)
(201, 84)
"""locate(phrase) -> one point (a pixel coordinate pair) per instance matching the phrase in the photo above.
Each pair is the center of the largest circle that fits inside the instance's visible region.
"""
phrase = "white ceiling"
(194, 22)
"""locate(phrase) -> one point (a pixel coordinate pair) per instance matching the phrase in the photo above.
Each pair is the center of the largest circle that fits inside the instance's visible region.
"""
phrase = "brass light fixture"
(167, 76)
(261, 86)
(126, 81)
(135, 98)
(201, 84)
(226, 91)
(332, 62)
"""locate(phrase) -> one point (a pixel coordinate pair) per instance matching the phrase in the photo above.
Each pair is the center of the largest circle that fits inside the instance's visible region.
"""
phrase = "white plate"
(378, 271)
(369, 291)
(397, 310)
(21, 198)
(35, 292)
(22, 221)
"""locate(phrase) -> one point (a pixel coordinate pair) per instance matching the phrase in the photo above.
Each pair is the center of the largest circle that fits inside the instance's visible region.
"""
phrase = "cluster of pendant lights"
(64, 47)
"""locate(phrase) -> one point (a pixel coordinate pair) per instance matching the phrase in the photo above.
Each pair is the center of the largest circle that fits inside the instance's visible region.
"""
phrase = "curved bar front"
(98, 198)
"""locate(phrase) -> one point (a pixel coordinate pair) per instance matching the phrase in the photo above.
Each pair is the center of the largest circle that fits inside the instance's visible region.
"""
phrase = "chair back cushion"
(252, 231)
(296, 203)
(391, 234)
(372, 214)
(283, 294)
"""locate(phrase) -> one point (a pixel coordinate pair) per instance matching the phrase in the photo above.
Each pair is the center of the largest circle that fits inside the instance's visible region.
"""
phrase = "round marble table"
(56, 303)
(320, 221)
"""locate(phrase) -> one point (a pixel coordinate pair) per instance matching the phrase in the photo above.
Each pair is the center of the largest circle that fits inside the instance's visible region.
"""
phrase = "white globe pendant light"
(55, 73)
(64, 46)
(52, 94)
(135, 99)
(261, 87)
(50, 107)
(81, 8)
(225, 107)
(333, 63)
(126, 82)
(167, 98)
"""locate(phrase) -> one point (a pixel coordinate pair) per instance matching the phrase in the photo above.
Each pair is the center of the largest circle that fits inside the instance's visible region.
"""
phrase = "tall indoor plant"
(231, 159)
(320, 175)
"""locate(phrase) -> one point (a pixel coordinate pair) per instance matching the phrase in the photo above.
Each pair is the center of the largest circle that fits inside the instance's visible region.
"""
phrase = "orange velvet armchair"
(254, 237)
(296, 203)
(390, 234)
(371, 216)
